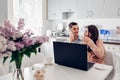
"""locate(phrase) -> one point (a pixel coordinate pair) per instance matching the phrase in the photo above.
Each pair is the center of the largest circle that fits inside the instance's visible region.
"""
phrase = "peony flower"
(40, 39)
(3, 47)
(19, 45)
(28, 41)
(3, 44)
(16, 35)
(3, 40)
(7, 53)
(11, 46)
(21, 24)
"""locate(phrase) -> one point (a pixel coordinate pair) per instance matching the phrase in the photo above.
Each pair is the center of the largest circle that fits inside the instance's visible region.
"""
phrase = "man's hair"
(72, 24)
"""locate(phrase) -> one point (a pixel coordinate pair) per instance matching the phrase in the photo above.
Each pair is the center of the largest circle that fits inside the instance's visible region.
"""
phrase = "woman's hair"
(92, 29)
(72, 24)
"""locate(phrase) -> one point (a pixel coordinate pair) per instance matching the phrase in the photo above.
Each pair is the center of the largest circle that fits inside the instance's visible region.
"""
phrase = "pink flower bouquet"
(16, 43)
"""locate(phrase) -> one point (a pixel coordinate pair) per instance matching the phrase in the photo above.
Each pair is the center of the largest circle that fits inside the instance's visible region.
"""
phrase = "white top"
(57, 72)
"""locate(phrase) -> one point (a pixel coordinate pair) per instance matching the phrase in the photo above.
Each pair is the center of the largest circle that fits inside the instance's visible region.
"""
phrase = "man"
(74, 30)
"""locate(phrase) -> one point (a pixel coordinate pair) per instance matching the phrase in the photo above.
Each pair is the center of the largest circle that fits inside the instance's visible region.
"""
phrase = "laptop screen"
(71, 54)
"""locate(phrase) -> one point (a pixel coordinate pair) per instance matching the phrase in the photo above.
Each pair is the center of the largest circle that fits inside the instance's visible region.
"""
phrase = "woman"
(96, 51)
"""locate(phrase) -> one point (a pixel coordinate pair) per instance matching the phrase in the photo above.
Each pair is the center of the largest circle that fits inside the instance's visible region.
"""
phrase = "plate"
(100, 66)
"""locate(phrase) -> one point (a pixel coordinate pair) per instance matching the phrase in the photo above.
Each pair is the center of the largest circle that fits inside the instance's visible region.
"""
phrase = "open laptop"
(71, 55)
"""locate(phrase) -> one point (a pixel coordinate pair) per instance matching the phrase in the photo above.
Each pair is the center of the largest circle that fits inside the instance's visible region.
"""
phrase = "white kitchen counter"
(57, 72)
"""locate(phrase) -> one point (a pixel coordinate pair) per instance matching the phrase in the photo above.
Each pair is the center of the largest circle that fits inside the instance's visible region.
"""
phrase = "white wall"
(46, 24)
(3, 10)
(10, 10)
(105, 23)
(6, 10)
(108, 24)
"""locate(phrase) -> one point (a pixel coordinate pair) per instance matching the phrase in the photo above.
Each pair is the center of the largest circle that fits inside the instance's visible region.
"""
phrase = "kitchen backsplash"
(107, 24)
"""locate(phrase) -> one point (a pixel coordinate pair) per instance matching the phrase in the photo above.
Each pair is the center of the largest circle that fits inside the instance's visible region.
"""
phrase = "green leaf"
(18, 60)
(4, 59)
(28, 54)
(35, 51)
(14, 56)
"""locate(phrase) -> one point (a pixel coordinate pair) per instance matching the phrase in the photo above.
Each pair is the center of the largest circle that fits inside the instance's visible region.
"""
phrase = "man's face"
(74, 29)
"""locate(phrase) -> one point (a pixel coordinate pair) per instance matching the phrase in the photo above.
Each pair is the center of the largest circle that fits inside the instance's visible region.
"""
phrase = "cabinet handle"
(113, 48)
(87, 13)
(118, 11)
(90, 13)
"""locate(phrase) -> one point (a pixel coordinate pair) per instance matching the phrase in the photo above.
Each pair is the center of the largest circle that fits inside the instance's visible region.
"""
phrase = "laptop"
(71, 55)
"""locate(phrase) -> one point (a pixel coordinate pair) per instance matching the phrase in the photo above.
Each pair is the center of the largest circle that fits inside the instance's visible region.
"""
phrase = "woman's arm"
(97, 48)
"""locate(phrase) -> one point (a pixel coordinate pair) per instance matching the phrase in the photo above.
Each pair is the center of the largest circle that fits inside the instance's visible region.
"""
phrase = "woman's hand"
(87, 40)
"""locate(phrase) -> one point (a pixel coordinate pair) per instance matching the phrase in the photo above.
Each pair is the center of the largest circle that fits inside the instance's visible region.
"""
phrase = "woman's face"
(75, 29)
(86, 33)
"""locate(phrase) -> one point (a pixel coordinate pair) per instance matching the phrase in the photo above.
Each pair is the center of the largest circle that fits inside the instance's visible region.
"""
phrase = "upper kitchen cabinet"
(68, 5)
(90, 8)
(54, 11)
(64, 9)
(98, 8)
(60, 9)
(112, 9)
(82, 9)
(95, 8)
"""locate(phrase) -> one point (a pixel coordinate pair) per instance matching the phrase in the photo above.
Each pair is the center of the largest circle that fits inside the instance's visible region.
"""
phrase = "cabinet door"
(54, 15)
(112, 47)
(3, 10)
(82, 8)
(68, 5)
(54, 10)
(112, 9)
(95, 8)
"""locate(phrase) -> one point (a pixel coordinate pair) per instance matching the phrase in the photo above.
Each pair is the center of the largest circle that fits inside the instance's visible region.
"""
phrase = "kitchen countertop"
(111, 41)
(53, 72)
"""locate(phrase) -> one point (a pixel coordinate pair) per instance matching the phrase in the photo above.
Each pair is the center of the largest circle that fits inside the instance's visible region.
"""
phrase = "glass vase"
(18, 74)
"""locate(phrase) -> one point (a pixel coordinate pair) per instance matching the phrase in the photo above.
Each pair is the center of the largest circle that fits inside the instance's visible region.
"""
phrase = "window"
(31, 11)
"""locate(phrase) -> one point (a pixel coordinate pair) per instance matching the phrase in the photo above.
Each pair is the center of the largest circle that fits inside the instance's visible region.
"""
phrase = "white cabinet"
(82, 8)
(57, 9)
(54, 11)
(112, 9)
(95, 8)
(112, 47)
(68, 5)
(3, 10)
(90, 8)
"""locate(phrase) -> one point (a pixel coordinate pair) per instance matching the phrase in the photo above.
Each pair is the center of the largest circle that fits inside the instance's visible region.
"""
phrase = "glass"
(38, 71)
(107, 35)
(17, 74)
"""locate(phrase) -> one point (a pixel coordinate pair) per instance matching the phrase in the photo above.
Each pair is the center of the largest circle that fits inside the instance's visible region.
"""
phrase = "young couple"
(96, 51)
